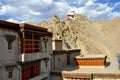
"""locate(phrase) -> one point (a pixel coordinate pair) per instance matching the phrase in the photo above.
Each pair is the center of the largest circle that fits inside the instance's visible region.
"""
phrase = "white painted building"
(71, 15)
(25, 52)
(9, 50)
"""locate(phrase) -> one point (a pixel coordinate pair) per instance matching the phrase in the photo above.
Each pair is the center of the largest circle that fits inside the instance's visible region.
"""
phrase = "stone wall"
(9, 50)
(73, 54)
(62, 58)
(49, 45)
(56, 76)
(8, 56)
(57, 45)
(60, 61)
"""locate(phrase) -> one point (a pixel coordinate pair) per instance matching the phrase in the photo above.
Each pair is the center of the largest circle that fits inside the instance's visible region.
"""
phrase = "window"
(31, 43)
(46, 61)
(10, 39)
(10, 69)
(30, 71)
(9, 46)
(10, 74)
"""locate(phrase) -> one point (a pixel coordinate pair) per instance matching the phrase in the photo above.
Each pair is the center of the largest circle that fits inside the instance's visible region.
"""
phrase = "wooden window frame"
(10, 74)
(27, 73)
(31, 43)
(10, 70)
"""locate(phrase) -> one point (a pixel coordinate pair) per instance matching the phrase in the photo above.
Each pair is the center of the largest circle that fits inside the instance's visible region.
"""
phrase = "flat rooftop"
(112, 67)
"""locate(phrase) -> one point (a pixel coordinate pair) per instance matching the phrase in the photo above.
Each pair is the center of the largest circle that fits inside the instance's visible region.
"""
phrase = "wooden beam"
(8, 23)
(26, 25)
(23, 41)
(9, 30)
(36, 31)
(32, 42)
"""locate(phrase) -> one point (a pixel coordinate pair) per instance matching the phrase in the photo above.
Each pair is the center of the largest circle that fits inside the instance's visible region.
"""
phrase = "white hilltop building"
(71, 15)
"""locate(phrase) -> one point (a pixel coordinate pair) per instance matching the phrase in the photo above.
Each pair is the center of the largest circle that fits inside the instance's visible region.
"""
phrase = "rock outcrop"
(92, 37)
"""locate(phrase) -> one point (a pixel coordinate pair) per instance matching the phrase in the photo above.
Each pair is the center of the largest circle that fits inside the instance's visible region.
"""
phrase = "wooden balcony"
(33, 56)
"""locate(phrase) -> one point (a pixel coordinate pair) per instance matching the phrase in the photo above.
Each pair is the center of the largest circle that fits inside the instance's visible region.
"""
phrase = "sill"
(32, 56)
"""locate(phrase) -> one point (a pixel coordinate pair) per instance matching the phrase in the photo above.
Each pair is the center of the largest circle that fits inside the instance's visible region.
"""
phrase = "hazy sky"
(37, 10)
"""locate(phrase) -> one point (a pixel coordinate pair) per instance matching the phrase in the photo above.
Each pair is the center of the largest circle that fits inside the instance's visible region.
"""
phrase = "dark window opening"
(9, 46)
(30, 71)
(9, 74)
(10, 39)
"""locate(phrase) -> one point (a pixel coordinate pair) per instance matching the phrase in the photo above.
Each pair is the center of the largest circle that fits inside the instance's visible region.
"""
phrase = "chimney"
(57, 44)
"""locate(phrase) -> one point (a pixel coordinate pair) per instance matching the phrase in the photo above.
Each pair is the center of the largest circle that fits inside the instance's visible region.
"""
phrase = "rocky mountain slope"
(92, 37)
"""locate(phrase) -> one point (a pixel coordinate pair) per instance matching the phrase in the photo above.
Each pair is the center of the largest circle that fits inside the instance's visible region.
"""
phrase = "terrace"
(70, 72)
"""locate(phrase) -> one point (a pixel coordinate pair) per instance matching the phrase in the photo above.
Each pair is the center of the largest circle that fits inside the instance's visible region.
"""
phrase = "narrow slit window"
(10, 74)
(10, 39)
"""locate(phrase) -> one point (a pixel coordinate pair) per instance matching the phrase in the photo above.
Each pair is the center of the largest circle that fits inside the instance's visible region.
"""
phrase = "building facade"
(36, 48)
(25, 52)
(61, 58)
(9, 50)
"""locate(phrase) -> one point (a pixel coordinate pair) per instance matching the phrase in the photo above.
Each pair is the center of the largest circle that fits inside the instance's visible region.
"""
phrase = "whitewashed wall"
(72, 56)
(8, 57)
(60, 61)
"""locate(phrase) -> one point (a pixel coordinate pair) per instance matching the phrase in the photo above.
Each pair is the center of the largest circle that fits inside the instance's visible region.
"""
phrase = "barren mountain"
(92, 37)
